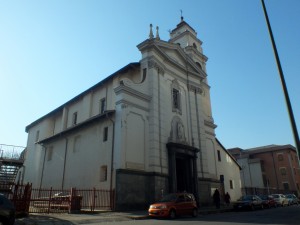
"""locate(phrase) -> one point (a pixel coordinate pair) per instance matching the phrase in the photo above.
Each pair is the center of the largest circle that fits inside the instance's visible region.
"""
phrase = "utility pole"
(286, 94)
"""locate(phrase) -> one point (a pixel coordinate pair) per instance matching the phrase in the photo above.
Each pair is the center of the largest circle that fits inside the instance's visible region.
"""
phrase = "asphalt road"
(275, 216)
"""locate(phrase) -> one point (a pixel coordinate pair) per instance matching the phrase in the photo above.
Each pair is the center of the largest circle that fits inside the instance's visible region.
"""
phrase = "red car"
(173, 205)
(268, 201)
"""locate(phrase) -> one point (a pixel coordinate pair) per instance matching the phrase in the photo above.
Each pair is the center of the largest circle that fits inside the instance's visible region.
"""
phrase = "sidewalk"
(71, 219)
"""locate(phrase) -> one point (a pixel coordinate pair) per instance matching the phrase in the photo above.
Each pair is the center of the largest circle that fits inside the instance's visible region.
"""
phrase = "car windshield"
(289, 196)
(246, 198)
(276, 196)
(264, 197)
(169, 198)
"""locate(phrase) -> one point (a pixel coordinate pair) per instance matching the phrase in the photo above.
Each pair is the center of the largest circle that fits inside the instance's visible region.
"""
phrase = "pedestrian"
(216, 197)
(227, 199)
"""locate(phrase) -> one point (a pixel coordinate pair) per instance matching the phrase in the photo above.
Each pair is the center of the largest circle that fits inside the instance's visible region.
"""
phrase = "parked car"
(292, 199)
(281, 200)
(248, 202)
(173, 205)
(7, 211)
(268, 201)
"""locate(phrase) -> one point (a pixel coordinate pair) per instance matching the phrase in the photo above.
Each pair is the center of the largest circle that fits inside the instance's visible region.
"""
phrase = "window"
(231, 184)
(37, 136)
(49, 153)
(102, 105)
(262, 164)
(282, 171)
(176, 99)
(105, 133)
(74, 119)
(280, 157)
(103, 173)
(286, 186)
(77, 143)
(219, 156)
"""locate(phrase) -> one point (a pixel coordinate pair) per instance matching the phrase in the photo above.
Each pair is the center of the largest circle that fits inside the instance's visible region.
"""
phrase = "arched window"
(194, 45)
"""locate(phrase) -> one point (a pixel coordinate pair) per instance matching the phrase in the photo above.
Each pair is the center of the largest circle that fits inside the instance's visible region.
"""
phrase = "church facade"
(143, 131)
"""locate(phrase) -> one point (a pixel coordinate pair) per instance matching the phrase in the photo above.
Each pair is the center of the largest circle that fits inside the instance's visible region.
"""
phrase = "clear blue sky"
(51, 51)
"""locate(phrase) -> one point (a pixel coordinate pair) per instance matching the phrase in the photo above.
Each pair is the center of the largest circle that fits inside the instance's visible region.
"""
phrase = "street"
(276, 216)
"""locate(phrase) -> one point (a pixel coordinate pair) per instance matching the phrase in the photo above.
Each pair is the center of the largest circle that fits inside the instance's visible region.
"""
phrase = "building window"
(219, 155)
(102, 105)
(49, 153)
(77, 144)
(280, 157)
(176, 99)
(37, 136)
(282, 171)
(74, 119)
(105, 133)
(286, 186)
(231, 184)
(103, 173)
(262, 164)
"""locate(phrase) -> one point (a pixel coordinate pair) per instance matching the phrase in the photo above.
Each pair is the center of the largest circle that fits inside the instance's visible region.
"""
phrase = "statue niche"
(177, 133)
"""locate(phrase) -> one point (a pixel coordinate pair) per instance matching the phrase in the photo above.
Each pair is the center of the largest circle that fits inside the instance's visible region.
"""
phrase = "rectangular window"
(262, 164)
(219, 155)
(49, 153)
(77, 143)
(103, 173)
(176, 99)
(280, 157)
(286, 186)
(74, 119)
(282, 171)
(102, 105)
(105, 133)
(37, 136)
(231, 184)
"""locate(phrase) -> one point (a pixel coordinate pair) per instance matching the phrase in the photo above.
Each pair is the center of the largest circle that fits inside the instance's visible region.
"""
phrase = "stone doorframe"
(175, 149)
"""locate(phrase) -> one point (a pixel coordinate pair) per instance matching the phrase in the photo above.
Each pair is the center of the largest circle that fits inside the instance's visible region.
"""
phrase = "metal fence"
(31, 200)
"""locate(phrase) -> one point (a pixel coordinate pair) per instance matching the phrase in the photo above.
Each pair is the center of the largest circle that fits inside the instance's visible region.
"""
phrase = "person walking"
(216, 197)
(227, 199)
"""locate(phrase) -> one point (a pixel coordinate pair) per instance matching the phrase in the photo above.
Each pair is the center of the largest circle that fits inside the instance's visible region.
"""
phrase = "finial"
(157, 34)
(181, 15)
(151, 32)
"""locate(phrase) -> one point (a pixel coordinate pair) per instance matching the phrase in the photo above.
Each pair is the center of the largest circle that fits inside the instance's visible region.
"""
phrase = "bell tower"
(185, 36)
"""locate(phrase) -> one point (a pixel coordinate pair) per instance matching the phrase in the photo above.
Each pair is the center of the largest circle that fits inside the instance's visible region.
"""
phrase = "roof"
(122, 70)
(243, 153)
(181, 24)
(106, 114)
(228, 153)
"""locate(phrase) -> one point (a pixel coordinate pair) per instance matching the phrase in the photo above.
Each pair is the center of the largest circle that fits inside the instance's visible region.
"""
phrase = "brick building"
(274, 168)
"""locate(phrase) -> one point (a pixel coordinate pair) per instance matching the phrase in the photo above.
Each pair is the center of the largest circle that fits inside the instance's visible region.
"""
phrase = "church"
(143, 131)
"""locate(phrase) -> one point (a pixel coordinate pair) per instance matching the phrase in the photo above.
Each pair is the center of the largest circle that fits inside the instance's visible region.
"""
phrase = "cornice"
(124, 89)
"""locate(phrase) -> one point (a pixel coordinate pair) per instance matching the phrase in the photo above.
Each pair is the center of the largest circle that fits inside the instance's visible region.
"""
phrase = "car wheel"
(172, 214)
(195, 213)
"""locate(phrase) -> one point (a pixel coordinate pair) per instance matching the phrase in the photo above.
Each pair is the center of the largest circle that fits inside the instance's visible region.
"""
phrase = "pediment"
(175, 55)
